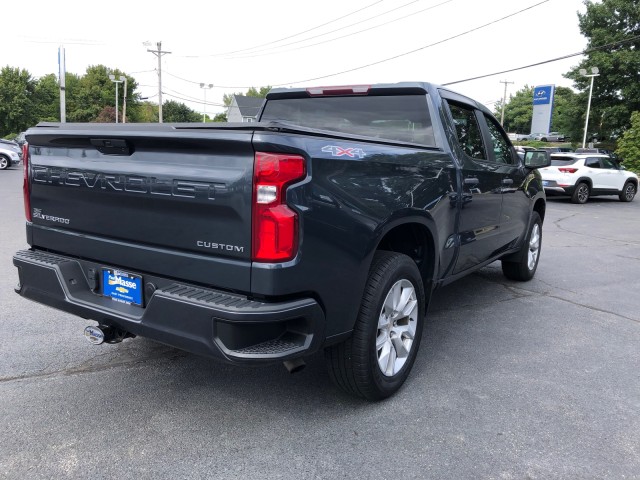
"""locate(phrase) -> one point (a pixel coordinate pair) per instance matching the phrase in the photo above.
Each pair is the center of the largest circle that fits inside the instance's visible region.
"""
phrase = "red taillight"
(341, 90)
(275, 225)
(568, 170)
(26, 190)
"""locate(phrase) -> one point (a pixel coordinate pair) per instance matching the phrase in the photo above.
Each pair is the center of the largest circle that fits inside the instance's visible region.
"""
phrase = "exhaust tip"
(296, 365)
(95, 335)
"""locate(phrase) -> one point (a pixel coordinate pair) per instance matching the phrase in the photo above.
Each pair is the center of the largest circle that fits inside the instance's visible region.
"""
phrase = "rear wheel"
(525, 268)
(4, 162)
(628, 192)
(376, 360)
(581, 193)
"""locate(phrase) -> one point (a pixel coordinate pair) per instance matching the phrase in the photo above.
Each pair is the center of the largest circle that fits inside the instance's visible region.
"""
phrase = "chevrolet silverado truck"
(326, 225)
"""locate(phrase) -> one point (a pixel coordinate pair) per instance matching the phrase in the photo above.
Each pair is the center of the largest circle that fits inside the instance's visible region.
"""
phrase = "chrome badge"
(94, 335)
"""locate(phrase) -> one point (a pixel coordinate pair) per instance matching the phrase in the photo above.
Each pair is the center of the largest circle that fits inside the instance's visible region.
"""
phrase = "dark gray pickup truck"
(326, 225)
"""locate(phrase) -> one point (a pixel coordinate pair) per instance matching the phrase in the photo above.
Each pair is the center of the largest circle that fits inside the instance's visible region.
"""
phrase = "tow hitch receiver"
(105, 334)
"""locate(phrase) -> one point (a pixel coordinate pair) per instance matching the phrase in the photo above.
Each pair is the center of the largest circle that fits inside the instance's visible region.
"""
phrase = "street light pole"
(594, 73)
(205, 87)
(113, 79)
(124, 100)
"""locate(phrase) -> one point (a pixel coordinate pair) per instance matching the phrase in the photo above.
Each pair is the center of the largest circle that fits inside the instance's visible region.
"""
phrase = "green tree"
(176, 112)
(88, 95)
(616, 92)
(107, 115)
(220, 117)
(629, 144)
(518, 111)
(147, 112)
(47, 99)
(566, 116)
(17, 89)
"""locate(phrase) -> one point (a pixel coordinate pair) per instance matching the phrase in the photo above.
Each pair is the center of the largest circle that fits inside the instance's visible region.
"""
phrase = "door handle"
(471, 181)
(507, 181)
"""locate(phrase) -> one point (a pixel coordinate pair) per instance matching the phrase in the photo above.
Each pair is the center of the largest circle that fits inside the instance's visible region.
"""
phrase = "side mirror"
(537, 159)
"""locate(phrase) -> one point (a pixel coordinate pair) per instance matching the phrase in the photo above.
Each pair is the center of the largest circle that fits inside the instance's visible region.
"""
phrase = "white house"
(244, 109)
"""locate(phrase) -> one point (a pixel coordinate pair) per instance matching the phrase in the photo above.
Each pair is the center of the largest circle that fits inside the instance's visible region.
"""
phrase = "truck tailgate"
(176, 204)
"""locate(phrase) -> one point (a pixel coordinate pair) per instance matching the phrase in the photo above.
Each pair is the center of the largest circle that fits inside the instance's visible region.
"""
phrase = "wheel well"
(415, 241)
(540, 207)
(586, 180)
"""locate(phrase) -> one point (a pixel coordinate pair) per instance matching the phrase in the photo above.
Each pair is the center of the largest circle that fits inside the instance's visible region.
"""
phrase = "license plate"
(122, 286)
(545, 183)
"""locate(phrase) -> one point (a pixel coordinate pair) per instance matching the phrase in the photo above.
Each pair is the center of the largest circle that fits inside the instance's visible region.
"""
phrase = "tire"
(4, 162)
(367, 364)
(543, 139)
(525, 268)
(628, 192)
(581, 193)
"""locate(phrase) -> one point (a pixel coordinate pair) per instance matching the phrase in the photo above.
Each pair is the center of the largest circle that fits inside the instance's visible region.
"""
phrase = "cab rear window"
(402, 118)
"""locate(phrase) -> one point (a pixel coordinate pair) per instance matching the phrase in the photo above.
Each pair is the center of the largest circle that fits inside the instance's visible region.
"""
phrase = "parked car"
(547, 137)
(581, 176)
(8, 155)
(518, 137)
(557, 149)
(20, 140)
(613, 156)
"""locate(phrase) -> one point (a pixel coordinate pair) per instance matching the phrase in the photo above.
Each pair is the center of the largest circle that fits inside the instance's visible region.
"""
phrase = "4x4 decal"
(337, 151)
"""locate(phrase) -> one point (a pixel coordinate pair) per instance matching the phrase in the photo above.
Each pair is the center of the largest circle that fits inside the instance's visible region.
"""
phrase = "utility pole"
(504, 100)
(62, 70)
(159, 53)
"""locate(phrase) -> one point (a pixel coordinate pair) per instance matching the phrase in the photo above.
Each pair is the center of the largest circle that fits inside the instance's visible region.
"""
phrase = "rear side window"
(592, 163)
(562, 161)
(394, 117)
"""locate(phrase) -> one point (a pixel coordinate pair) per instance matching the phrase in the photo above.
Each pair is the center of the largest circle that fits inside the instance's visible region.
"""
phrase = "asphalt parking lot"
(536, 380)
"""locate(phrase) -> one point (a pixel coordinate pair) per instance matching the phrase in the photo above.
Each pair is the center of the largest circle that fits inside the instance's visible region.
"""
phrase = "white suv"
(581, 176)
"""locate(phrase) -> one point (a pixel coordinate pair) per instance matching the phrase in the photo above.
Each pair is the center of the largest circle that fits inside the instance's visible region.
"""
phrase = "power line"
(384, 60)
(563, 57)
(189, 98)
(258, 53)
(583, 52)
(284, 38)
(193, 101)
(417, 49)
(198, 83)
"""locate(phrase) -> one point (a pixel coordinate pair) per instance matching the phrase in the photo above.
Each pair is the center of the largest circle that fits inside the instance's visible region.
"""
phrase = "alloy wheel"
(534, 246)
(630, 192)
(396, 327)
(583, 193)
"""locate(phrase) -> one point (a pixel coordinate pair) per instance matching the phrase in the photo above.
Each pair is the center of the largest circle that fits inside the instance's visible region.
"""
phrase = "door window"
(592, 163)
(606, 163)
(501, 146)
(468, 131)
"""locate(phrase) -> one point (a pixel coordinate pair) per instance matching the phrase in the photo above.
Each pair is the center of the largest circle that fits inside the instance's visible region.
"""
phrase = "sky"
(237, 44)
